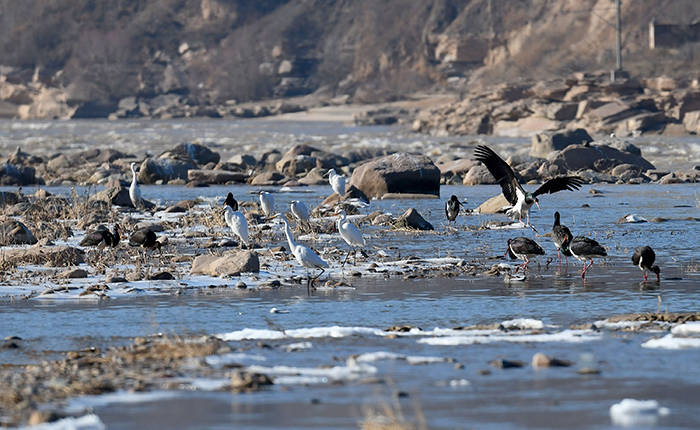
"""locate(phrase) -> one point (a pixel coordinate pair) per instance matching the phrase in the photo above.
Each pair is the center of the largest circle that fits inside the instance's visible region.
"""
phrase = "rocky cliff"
(161, 58)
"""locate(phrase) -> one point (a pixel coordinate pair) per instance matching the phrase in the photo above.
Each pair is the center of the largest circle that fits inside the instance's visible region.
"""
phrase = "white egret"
(300, 212)
(267, 203)
(304, 255)
(350, 234)
(337, 182)
(237, 223)
(134, 190)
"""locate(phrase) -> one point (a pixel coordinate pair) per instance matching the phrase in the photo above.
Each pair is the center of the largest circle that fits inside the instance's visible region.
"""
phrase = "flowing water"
(334, 365)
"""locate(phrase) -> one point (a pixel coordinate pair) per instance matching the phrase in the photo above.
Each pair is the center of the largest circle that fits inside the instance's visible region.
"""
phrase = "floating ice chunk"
(672, 342)
(311, 332)
(631, 219)
(350, 372)
(459, 383)
(298, 346)
(84, 402)
(252, 333)
(523, 324)
(278, 311)
(687, 329)
(208, 384)
(86, 422)
(631, 412)
(415, 359)
(618, 325)
(376, 356)
(232, 358)
(569, 336)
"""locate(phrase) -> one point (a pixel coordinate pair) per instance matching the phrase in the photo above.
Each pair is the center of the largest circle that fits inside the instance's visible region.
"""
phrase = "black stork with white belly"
(644, 258)
(561, 236)
(523, 248)
(521, 200)
(231, 202)
(452, 209)
(585, 248)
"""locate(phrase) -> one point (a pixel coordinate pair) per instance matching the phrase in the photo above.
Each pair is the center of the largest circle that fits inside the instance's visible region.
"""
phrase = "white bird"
(304, 255)
(350, 234)
(267, 203)
(300, 212)
(134, 190)
(337, 182)
(237, 223)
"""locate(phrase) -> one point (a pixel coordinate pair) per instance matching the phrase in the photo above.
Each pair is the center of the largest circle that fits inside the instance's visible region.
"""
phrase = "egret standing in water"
(267, 203)
(304, 256)
(134, 190)
(337, 182)
(237, 223)
(300, 212)
(351, 235)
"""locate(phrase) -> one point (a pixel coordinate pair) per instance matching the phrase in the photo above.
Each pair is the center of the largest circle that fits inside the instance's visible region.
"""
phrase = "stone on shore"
(53, 256)
(544, 143)
(411, 219)
(397, 173)
(597, 157)
(13, 232)
(200, 154)
(269, 178)
(493, 205)
(162, 170)
(227, 265)
(209, 176)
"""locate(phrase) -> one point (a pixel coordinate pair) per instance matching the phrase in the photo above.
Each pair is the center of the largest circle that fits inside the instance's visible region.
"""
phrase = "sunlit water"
(446, 395)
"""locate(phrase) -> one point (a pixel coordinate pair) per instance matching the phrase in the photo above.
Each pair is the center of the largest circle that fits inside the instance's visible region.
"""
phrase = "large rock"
(17, 175)
(215, 176)
(493, 205)
(269, 178)
(153, 170)
(119, 196)
(228, 265)
(411, 219)
(691, 121)
(13, 232)
(54, 256)
(578, 157)
(544, 143)
(397, 173)
(478, 175)
(200, 154)
(303, 158)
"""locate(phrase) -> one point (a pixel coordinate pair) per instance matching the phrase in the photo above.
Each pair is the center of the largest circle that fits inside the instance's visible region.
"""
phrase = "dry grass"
(389, 415)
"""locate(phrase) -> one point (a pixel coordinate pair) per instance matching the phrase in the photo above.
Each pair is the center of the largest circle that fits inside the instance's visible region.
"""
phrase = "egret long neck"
(290, 238)
(133, 173)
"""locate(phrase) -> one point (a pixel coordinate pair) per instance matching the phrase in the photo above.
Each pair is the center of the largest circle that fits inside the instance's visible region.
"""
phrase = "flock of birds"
(520, 201)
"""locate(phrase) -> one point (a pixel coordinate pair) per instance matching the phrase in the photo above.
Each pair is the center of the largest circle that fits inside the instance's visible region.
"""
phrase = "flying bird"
(585, 248)
(304, 256)
(452, 209)
(523, 248)
(561, 236)
(644, 258)
(231, 202)
(267, 203)
(337, 182)
(521, 200)
(237, 223)
(350, 234)
(102, 237)
(134, 190)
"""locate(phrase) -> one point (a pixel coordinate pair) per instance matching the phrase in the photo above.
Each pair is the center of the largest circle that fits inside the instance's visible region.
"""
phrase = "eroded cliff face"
(219, 52)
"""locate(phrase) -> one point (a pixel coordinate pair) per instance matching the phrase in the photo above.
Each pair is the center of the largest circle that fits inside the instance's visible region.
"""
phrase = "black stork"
(521, 200)
(585, 248)
(452, 209)
(561, 236)
(644, 258)
(230, 201)
(523, 248)
(102, 237)
(145, 238)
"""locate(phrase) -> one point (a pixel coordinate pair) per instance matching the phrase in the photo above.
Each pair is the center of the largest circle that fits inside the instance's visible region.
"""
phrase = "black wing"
(94, 238)
(560, 183)
(501, 171)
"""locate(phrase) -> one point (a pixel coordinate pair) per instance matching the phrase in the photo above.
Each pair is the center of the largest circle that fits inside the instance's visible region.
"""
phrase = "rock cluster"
(588, 100)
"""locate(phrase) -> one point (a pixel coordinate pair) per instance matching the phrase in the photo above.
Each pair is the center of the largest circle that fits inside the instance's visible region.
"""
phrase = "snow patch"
(86, 422)
(631, 412)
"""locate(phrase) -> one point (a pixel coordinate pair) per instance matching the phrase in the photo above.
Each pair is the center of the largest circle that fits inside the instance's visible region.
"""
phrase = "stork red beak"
(506, 254)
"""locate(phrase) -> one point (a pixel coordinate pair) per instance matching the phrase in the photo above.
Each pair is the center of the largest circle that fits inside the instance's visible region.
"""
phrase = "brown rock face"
(577, 157)
(544, 143)
(411, 219)
(227, 265)
(397, 173)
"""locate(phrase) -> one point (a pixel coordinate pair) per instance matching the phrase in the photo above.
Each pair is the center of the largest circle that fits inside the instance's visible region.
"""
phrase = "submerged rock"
(541, 360)
(411, 219)
(397, 173)
(228, 265)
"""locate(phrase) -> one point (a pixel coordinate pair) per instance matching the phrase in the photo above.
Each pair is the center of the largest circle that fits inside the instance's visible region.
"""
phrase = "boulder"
(215, 176)
(411, 219)
(54, 256)
(561, 111)
(544, 143)
(478, 175)
(243, 161)
(118, 196)
(397, 173)
(106, 155)
(495, 204)
(232, 264)
(691, 121)
(269, 178)
(73, 274)
(200, 154)
(13, 232)
(456, 167)
(577, 157)
(17, 175)
(612, 112)
(153, 170)
(314, 177)
(303, 158)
